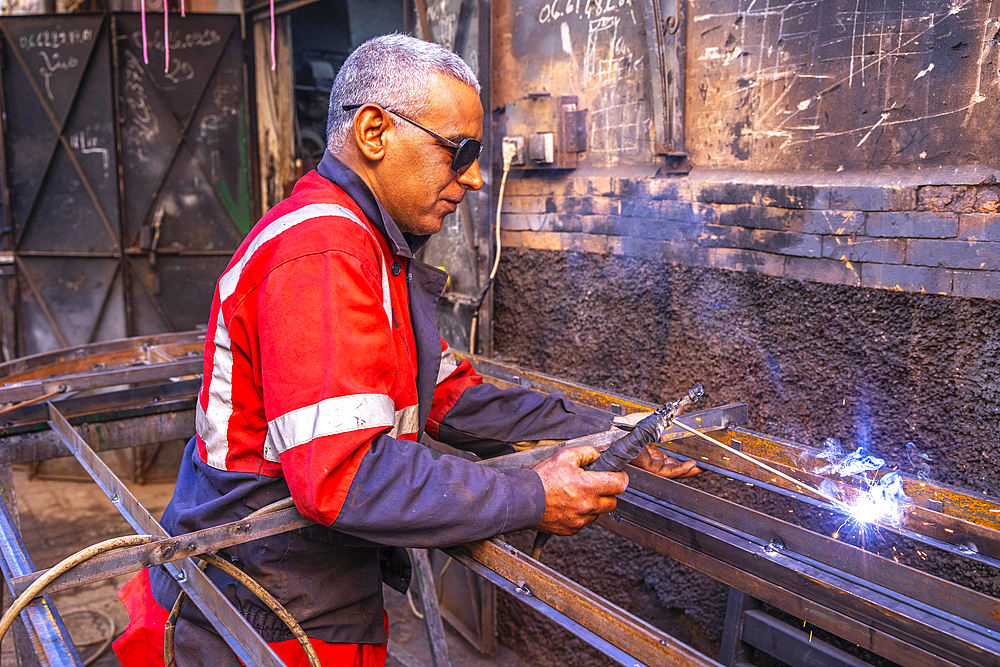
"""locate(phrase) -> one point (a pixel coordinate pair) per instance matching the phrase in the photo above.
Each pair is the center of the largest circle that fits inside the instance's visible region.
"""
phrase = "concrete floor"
(59, 518)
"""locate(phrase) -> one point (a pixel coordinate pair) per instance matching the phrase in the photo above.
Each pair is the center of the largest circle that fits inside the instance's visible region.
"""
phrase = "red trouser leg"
(141, 645)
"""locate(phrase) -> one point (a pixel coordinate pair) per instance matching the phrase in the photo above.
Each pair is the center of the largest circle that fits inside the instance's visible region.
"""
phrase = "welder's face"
(417, 183)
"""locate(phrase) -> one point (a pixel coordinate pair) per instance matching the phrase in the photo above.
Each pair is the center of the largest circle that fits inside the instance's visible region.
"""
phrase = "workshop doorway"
(128, 181)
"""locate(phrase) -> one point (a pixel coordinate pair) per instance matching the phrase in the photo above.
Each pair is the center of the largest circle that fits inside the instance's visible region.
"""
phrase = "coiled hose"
(38, 586)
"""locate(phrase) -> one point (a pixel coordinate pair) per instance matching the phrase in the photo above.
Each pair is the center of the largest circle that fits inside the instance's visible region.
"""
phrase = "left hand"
(653, 460)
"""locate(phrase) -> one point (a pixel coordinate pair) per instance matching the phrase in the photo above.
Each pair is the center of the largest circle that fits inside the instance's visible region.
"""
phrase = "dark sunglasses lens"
(467, 153)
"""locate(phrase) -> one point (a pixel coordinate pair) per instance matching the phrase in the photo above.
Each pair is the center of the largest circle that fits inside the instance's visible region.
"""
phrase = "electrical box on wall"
(548, 131)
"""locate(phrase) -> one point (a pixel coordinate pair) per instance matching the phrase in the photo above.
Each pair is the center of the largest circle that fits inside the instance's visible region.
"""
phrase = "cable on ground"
(104, 641)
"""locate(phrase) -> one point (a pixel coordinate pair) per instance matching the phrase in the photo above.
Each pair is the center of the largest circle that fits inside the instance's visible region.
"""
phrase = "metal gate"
(128, 182)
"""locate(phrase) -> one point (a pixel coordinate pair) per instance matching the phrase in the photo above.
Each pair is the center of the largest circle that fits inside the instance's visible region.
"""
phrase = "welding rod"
(818, 492)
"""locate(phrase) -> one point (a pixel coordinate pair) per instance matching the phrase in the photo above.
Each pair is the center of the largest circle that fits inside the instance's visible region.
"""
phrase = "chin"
(423, 227)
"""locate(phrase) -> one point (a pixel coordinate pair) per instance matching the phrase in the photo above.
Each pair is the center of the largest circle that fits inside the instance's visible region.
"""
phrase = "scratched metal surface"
(597, 50)
(793, 84)
(93, 260)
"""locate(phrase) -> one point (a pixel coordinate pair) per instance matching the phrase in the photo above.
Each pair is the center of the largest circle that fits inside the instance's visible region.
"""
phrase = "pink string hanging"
(145, 52)
(166, 38)
(274, 61)
(182, 9)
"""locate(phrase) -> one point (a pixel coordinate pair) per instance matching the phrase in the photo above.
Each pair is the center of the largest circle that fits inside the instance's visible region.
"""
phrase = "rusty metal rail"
(887, 608)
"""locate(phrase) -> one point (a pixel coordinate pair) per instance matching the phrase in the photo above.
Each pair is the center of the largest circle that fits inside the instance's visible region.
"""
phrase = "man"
(323, 367)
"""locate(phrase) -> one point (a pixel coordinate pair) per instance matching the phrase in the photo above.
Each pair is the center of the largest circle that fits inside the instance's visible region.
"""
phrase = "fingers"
(574, 497)
(653, 460)
(581, 457)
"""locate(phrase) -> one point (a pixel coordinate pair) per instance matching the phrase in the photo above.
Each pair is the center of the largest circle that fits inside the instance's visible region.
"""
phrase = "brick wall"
(942, 239)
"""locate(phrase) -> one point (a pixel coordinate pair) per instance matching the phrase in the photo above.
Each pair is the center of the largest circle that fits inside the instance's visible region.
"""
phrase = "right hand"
(573, 496)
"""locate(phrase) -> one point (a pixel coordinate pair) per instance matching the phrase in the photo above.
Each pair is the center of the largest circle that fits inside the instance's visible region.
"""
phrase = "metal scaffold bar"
(45, 631)
(605, 626)
(231, 626)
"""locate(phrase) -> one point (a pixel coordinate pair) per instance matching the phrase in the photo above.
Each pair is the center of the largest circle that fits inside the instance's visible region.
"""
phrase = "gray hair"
(391, 71)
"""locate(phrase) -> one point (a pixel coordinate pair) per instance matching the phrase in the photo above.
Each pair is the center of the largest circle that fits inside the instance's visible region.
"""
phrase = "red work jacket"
(323, 366)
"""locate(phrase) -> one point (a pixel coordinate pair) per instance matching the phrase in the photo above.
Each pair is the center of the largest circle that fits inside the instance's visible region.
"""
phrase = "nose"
(471, 177)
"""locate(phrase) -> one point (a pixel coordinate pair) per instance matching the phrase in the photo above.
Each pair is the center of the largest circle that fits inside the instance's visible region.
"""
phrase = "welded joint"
(932, 505)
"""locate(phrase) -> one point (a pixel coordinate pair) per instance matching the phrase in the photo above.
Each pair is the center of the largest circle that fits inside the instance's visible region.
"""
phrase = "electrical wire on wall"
(509, 151)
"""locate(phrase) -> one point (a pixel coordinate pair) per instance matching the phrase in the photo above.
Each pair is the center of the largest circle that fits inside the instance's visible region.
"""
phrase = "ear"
(370, 125)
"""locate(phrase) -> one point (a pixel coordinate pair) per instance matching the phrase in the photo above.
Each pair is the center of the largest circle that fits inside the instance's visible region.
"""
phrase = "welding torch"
(621, 452)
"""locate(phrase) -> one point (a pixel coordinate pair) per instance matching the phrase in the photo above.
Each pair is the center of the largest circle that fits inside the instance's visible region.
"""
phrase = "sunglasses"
(466, 152)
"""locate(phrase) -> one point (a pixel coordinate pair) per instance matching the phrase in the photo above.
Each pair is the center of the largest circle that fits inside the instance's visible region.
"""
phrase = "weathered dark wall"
(874, 367)
(832, 258)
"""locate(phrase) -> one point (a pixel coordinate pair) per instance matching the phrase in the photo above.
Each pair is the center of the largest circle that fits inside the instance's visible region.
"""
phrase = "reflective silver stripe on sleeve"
(448, 365)
(212, 424)
(407, 421)
(328, 417)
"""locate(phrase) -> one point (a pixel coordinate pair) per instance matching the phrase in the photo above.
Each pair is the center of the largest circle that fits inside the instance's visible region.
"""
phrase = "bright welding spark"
(883, 503)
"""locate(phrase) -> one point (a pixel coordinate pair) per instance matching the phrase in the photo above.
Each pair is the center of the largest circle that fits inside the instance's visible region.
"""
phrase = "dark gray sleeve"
(485, 420)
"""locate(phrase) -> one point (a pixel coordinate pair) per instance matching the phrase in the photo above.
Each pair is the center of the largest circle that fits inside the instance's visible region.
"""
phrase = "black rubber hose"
(614, 459)
(623, 450)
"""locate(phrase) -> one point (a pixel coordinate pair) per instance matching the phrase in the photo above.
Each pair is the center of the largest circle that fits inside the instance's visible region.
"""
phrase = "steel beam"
(17, 392)
(514, 375)
(45, 630)
(967, 533)
(229, 623)
(92, 357)
(104, 436)
(791, 645)
(625, 638)
(871, 614)
(708, 420)
(169, 549)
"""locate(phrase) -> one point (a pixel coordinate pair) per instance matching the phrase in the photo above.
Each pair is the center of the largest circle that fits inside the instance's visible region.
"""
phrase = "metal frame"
(892, 610)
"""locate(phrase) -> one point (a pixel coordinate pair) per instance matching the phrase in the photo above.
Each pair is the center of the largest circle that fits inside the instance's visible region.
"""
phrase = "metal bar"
(546, 383)
(732, 649)
(791, 645)
(525, 596)
(704, 544)
(618, 627)
(108, 406)
(913, 585)
(86, 357)
(956, 533)
(103, 378)
(843, 625)
(169, 549)
(961, 503)
(69, 253)
(229, 623)
(45, 630)
(114, 68)
(432, 613)
(703, 420)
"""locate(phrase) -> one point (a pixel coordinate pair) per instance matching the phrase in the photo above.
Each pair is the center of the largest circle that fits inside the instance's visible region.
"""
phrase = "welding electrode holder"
(621, 452)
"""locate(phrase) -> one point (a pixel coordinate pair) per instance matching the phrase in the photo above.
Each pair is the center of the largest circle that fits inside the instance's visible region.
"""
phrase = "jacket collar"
(400, 243)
